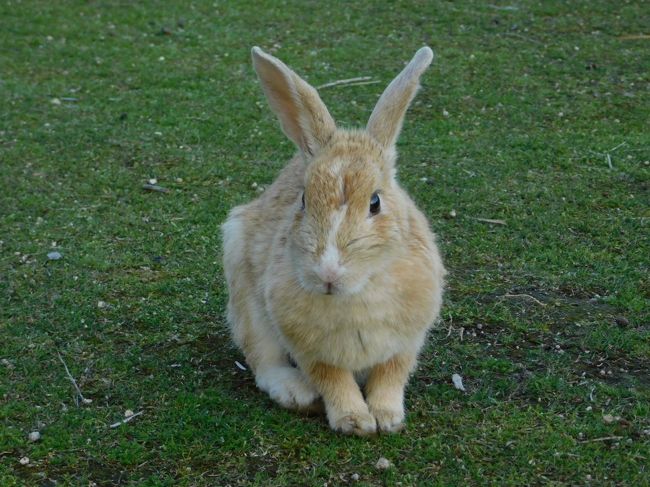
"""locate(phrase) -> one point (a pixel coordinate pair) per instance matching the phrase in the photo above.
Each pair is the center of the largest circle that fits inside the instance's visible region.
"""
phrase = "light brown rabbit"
(334, 267)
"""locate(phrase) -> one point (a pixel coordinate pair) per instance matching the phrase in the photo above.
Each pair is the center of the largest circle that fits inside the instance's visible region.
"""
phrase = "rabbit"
(334, 276)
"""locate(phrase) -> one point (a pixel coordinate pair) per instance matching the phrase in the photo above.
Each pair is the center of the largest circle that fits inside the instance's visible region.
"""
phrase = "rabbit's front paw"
(288, 387)
(358, 423)
(390, 420)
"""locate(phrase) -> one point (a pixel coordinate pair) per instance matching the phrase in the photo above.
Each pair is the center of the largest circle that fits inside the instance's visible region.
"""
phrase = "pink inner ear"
(386, 119)
(281, 95)
(303, 116)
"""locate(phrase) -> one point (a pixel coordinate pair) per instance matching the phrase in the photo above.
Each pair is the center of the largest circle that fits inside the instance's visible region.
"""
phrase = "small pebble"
(34, 436)
(54, 255)
(101, 304)
(153, 181)
(128, 413)
(608, 418)
(55, 101)
(383, 464)
(24, 461)
(622, 321)
(355, 477)
(452, 214)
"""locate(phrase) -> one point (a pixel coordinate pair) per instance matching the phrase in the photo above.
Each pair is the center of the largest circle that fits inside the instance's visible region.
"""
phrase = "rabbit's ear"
(303, 115)
(386, 119)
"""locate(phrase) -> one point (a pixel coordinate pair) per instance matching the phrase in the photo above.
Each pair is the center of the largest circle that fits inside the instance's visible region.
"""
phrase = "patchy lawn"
(533, 113)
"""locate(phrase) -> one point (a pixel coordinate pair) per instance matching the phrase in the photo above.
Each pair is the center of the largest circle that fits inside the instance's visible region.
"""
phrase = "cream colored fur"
(341, 291)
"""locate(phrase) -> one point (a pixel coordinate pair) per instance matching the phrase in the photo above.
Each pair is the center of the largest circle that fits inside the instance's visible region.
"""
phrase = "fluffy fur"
(340, 291)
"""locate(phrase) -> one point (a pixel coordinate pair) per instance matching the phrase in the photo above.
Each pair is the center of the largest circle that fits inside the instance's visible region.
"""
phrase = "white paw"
(288, 387)
(390, 420)
(360, 423)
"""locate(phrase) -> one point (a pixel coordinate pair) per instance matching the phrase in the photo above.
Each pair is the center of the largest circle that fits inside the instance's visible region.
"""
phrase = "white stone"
(458, 382)
(383, 464)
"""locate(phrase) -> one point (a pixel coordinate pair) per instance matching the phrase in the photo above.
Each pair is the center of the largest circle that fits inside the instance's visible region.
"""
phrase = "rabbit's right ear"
(386, 119)
(303, 115)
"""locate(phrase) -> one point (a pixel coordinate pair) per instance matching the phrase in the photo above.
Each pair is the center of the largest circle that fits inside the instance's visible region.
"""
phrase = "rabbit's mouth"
(315, 285)
(329, 288)
(343, 285)
(338, 288)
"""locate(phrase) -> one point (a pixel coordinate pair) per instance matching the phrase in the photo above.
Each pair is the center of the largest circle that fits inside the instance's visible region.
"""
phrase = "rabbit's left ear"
(386, 119)
(303, 115)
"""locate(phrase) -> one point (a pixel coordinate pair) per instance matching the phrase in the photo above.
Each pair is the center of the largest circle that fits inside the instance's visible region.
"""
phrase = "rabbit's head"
(348, 222)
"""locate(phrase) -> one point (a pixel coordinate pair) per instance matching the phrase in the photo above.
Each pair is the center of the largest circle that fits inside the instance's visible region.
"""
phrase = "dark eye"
(303, 201)
(375, 204)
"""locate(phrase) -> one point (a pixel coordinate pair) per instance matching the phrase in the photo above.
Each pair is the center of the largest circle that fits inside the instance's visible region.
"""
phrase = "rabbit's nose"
(329, 269)
(329, 274)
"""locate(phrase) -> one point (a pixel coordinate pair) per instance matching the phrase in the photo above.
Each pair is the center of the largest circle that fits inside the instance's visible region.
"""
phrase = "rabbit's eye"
(303, 201)
(375, 204)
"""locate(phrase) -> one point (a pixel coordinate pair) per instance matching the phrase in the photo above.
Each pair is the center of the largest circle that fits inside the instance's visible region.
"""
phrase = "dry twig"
(607, 154)
(489, 220)
(635, 37)
(524, 296)
(74, 383)
(126, 420)
(503, 7)
(603, 438)
(350, 81)
(155, 187)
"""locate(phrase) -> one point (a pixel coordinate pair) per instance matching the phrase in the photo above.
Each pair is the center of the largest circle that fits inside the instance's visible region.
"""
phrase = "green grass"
(546, 317)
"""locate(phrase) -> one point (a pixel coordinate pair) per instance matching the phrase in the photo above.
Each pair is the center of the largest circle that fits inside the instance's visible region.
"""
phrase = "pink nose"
(329, 274)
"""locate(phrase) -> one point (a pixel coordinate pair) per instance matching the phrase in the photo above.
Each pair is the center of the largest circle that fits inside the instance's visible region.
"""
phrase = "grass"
(546, 317)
